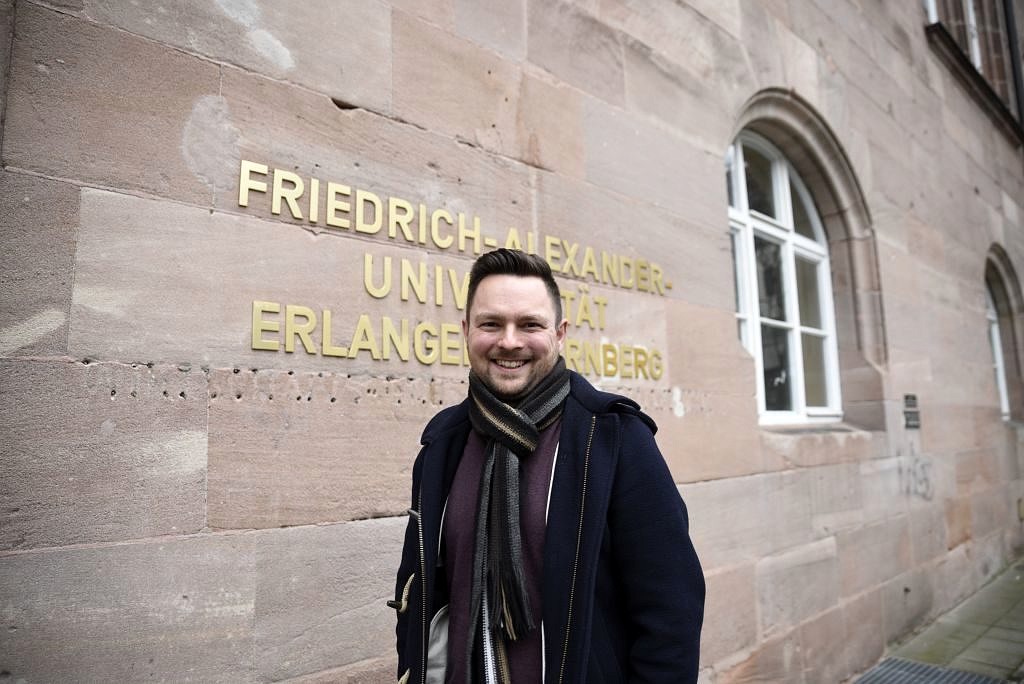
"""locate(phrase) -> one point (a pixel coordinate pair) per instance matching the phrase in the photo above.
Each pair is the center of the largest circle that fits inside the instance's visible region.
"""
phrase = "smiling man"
(547, 541)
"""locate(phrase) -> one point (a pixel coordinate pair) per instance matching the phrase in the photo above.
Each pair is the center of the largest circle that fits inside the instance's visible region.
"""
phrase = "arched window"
(998, 363)
(1002, 306)
(784, 309)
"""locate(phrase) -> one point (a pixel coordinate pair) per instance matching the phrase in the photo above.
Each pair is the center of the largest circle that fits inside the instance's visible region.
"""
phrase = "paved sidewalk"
(983, 635)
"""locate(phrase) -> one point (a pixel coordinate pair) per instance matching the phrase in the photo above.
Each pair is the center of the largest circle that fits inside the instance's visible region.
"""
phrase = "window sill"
(945, 46)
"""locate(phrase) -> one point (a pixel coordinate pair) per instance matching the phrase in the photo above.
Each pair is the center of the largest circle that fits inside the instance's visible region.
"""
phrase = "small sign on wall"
(911, 413)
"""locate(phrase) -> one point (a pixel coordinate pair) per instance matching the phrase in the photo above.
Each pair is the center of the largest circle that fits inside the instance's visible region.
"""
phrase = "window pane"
(801, 221)
(735, 273)
(759, 181)
(814, 370)
(775, 354)
(807, 293)
(728, 178)
(770, 295)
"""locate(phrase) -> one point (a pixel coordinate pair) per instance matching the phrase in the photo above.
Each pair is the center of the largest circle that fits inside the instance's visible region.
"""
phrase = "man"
(547, 541)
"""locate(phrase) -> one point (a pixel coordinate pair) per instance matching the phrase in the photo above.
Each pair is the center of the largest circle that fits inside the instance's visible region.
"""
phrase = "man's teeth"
(509, 364)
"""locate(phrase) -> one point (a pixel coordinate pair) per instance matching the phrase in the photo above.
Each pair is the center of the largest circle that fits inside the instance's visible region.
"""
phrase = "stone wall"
(181, 506)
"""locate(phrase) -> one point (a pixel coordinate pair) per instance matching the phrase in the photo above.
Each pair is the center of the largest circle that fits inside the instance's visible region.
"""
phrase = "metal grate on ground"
(900, 671)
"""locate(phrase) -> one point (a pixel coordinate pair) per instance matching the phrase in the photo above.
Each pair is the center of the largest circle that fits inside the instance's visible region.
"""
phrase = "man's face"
(511, 333)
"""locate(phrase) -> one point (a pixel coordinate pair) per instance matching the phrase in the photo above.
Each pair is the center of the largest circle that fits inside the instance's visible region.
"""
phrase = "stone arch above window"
(1004, 306)
(788, 123)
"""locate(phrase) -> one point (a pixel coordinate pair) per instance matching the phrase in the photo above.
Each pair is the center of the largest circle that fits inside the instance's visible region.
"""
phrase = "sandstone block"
(290, 129)
(928, 533)
(958, 521)
(684, 101)
(836, 498)
(907, 602)
(550, 126)
(139, 294)
(797, 584)
(37, 263)
(278, 41)
(863, 646)
(823, 643)
(100, 452)
(744, 518)
(500, 26)
(314, 447)
(453, 87)
(729, 624)
(640, 160)
(320, 596)
(872, 554)
(577, 48)
(715, 437)
(607, 221)
(83, 105)
(774, 660)
(799, 448)
(953, 579)
(174, 610)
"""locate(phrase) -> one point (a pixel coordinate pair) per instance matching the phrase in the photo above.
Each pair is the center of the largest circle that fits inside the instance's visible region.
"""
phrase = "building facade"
(236, 238)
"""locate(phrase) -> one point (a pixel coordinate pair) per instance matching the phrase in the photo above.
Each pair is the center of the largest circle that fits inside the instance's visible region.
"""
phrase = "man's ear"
(465, 329)
(560, 332)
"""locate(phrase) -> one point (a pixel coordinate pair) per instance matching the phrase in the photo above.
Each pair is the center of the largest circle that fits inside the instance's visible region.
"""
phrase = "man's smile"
(510, 364)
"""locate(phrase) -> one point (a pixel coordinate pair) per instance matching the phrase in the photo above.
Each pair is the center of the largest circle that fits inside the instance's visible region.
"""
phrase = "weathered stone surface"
(298, 449)
(796, 585)
(958, 521)
(604, 220)
(744, 518)
(289, 128)
(496, 24)
(674, 94)
(637, 159)
(822, 646)
(550, 126)
(774, 660)
(576, 48)
(836, 498)
(277, 40)
(864, 644)
(729, 624)
(927, 533)
(175, 610)
(871, 554)
(166, 282)
(37, 263)
(907, 602)
(801, 449)
(84, 104)
(321, 593)
(100, 452)
(449, 85)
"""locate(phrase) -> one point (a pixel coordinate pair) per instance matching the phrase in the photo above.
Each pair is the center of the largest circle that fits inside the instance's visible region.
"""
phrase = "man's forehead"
(504, 286)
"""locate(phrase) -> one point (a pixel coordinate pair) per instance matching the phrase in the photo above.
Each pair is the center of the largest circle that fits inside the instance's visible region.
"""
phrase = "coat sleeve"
(661, 581)
(406, 585)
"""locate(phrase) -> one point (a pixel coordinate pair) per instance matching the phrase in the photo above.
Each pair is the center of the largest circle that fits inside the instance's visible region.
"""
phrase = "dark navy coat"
(623, 590)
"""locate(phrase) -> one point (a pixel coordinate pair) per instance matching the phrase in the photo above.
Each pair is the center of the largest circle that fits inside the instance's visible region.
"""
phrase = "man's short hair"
(518, 263)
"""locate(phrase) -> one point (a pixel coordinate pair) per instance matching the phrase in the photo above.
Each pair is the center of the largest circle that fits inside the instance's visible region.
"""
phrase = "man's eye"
(489, 325)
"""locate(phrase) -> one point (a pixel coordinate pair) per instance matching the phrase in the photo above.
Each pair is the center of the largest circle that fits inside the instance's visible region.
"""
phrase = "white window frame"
(998, 363)
(746, 224)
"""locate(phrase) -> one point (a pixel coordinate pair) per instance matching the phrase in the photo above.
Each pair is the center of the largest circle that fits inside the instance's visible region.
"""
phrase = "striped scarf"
(499, 600)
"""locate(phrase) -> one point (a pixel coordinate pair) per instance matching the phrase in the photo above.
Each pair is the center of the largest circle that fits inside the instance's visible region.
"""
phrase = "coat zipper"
(579, 537)
(423, 579)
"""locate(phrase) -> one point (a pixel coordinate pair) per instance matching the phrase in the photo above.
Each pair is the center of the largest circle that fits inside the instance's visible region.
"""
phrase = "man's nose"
(510, 338)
